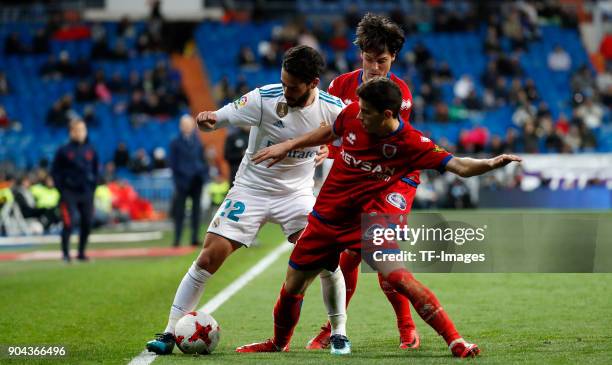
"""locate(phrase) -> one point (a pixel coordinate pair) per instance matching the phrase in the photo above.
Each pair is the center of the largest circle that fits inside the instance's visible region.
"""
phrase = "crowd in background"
(503, 83)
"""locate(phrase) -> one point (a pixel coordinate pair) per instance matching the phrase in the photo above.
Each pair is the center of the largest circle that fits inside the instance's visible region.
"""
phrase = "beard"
(299, 101)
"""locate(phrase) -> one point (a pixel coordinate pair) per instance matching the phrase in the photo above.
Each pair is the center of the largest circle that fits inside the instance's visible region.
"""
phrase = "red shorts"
(322, 241)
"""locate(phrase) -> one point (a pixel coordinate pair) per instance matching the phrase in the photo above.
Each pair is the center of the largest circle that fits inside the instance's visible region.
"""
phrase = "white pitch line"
(146, 357)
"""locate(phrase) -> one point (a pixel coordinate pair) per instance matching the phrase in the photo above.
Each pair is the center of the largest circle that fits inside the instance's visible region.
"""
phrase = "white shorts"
(244, 211)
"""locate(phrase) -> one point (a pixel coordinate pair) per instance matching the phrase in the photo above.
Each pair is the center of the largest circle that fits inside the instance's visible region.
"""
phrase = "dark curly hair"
(303, 62)
(382, 94)
(375, 33)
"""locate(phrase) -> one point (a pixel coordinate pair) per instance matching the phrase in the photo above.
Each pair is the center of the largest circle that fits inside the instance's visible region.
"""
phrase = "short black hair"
(303, 62)
(382, 94)
(375, 33)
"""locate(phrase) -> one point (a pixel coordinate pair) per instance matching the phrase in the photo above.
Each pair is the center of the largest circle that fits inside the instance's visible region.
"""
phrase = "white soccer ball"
(197, 333)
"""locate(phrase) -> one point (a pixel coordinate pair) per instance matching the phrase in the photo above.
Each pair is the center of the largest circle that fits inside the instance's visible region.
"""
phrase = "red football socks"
(401, 304)
(425, 303)
(349, 264)
(286, 316)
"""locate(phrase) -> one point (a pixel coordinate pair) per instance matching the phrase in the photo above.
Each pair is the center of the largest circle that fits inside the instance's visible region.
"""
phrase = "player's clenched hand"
(321, 155)
(503, 160)
(275, 153)
(206, 121)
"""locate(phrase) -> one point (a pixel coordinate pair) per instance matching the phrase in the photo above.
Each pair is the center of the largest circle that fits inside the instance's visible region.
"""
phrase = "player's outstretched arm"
(206, 121)
(278, 151)
(467, 167)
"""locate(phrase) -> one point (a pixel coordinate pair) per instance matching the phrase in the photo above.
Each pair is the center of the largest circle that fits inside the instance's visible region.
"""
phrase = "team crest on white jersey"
(351, 138)
(389, 150)
(282, 109)
(397, 200)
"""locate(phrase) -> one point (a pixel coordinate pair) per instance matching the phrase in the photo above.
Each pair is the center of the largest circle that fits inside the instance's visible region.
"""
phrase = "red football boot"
(320, 341)
(462, 348)
(409, 339)
(266, 346)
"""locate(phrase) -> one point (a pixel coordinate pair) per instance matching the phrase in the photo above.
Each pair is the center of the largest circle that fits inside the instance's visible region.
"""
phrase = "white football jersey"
(272, 121)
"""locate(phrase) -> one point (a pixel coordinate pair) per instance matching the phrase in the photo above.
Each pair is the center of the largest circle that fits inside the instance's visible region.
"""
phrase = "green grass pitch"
(105, 311)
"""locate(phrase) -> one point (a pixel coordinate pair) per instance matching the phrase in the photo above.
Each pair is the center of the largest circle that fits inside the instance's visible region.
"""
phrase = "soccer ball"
(197, 333)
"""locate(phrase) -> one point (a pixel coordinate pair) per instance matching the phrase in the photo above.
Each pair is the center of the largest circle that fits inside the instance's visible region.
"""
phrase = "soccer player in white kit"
(281, 194)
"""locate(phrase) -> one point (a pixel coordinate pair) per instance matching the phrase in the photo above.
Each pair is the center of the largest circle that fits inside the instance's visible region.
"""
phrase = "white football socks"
(187, 295)
(334, 297)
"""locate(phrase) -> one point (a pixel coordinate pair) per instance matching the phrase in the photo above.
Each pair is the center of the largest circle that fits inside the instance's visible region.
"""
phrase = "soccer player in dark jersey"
(378, 149)
(380, 41)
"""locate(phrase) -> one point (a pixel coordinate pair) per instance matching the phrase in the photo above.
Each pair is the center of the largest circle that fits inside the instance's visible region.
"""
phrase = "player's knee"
(297, 282)
(400, 279)
(216, 250)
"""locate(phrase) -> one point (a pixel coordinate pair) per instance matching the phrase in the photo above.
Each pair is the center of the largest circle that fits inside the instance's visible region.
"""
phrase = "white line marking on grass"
(146, 357)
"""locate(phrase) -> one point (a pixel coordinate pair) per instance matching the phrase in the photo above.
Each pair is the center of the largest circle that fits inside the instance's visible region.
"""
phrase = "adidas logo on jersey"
(279, 124)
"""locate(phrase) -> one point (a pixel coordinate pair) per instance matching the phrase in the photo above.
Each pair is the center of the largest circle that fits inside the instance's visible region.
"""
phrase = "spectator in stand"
(421, 55)
(531, 91)
(64, 67)
(562, 124)
(591, 113)
(45, 193)
(4, 85)
(159, 159)
(223, 91)
(246, 58)
(553, 138)
(473, 101)
(5, 122)
(491, 44)
(463, 87)
(84, 92)
(582, 82)
(572, 141)
(511, 142)
(497, 146)
(140, 163)
(89, 116)
(441, 112)
(102, 92)
(27, 204)
(40, 41)
(516, 92)
(61, 113)
(604, 85)
(189, 172)
(490, 76)
(509, 66)
(444, 74)
(588, 139)
(559, 60)
(530, 138)
(13, 45)
(117, 84)
(513, 29)
(525, 112)
(235, 146)
(339, 41)
(121, 157)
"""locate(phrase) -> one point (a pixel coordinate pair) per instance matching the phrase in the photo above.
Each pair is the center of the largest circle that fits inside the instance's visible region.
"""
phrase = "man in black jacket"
(189, 172)
(75, 172)
(235, 145)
